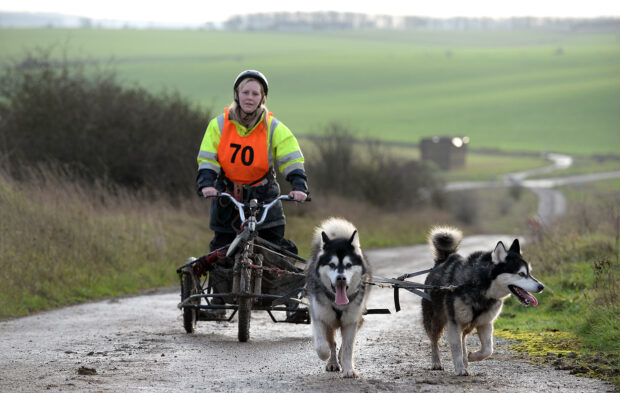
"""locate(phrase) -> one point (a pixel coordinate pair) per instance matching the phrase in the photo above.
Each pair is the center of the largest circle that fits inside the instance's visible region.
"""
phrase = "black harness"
(413, 287)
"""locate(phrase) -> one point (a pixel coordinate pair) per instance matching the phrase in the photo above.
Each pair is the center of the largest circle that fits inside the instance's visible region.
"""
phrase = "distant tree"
(86, 23)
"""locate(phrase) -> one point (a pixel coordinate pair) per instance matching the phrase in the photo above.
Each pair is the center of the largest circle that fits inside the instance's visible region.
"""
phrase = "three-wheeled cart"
(250, 274)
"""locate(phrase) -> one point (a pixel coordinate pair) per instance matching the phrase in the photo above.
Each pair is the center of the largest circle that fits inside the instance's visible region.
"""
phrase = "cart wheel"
(188, 288)
(244, 304)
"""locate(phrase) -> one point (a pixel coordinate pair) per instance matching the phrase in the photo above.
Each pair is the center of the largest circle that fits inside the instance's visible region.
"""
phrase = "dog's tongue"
(526, 295)
(533, 301)
(341, 293)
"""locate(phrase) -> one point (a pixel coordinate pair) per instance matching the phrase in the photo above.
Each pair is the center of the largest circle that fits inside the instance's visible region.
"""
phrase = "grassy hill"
(528, 90)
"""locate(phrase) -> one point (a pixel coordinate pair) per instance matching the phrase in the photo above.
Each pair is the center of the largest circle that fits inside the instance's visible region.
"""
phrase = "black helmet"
(252, 74)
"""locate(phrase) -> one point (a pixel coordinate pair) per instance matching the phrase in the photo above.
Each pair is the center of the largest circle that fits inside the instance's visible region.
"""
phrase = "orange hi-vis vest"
(244, 159)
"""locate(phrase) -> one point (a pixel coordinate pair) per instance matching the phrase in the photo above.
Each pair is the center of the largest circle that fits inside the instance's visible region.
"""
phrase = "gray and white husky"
(479, 283)
(336, 277)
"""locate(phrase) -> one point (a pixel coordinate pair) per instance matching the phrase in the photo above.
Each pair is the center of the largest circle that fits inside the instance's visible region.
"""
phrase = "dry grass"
(64, 242)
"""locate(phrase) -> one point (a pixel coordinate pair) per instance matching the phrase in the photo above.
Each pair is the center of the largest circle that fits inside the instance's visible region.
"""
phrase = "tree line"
(331, 20)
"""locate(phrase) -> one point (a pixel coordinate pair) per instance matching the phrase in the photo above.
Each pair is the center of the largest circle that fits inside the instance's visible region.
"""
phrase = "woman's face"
(250, 96)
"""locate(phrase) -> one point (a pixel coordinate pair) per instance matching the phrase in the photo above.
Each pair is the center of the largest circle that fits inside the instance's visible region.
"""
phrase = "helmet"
(252, 74)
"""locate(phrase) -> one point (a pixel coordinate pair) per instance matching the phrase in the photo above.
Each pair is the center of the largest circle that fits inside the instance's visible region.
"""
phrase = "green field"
(528, 90)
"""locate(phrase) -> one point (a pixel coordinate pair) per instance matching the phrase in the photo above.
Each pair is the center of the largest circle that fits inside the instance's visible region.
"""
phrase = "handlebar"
(264, 206)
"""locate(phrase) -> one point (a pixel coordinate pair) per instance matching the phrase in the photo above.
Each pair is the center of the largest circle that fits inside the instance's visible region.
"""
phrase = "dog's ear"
(353, 238)
(499, 254)
(325, 238)
(515, 247)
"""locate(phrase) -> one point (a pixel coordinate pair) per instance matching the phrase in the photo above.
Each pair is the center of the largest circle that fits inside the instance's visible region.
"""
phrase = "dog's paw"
(352, 373)
(462, 372)
(332, 366)
(477, 356)
(436, 366)
(474, 357)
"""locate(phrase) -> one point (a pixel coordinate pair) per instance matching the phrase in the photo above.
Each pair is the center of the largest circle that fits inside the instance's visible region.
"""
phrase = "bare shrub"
(368, 171)
(332, 168)
(515, 190)
(79, 115)
(465, 207)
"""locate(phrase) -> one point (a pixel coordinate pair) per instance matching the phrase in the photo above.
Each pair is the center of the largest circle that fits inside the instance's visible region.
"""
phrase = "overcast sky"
(200, 11)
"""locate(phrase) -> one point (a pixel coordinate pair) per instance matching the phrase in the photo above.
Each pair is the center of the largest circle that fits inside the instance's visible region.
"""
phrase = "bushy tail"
(444, 241)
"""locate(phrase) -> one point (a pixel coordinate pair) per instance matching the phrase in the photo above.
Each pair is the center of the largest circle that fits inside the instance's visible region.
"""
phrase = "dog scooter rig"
(248, 274)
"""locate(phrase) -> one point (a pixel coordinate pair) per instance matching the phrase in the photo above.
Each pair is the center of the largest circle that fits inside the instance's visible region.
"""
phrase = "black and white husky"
(479, 284)
(336, 277)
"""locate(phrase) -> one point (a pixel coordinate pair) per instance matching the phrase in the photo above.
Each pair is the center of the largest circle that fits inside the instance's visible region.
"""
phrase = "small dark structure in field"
(447, 152)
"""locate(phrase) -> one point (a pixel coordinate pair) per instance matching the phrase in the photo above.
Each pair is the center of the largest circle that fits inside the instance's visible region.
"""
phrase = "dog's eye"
(522, 274)
(348, 265)
(332, 265)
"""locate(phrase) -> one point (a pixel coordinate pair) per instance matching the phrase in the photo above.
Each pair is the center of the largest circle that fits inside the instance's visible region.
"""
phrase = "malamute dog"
(479, 283)
(335, 278)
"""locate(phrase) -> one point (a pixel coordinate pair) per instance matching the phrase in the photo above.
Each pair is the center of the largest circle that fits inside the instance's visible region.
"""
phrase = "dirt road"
(551, 202)
(138, 344)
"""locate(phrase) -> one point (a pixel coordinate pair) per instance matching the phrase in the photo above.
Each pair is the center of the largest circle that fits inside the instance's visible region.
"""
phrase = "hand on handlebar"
(298, 196)
(208, 191)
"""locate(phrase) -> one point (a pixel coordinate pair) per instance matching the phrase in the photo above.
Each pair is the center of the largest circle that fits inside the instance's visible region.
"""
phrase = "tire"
(188, 288)
(244, 311)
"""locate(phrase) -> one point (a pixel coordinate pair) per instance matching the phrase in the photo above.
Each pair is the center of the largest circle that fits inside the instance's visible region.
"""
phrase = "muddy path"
(138, 344)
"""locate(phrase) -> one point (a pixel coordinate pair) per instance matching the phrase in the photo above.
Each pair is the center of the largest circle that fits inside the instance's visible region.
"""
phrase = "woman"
(238, 155)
